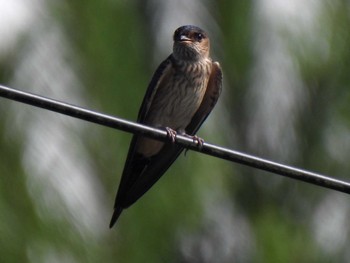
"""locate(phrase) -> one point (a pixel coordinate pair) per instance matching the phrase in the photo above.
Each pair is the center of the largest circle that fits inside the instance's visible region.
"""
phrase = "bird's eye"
(198, 37)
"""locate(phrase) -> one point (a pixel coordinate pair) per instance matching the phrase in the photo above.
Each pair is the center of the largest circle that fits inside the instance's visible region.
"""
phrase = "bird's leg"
(171, 134)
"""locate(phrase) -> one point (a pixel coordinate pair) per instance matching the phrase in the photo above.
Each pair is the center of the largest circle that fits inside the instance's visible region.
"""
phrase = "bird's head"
(191, 43)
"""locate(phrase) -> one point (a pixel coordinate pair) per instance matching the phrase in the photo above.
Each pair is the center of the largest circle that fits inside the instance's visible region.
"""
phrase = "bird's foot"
(195, 139)
(171, 134)
(198, 140)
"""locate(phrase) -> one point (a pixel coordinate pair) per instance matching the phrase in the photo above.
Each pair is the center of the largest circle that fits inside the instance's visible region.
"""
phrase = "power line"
(209, 149)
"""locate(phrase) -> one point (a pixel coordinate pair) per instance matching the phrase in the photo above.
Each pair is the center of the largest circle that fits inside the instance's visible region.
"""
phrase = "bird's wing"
(159, 76)
(210, 98)
(135, 163)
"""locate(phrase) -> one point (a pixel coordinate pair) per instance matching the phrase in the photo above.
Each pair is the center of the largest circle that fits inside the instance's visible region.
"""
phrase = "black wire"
(210, 149)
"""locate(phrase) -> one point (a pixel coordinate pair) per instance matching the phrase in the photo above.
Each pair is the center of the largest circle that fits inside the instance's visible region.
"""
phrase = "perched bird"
(183, 91)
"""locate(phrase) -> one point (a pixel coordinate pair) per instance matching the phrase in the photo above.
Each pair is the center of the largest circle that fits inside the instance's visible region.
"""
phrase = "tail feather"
(117, 211)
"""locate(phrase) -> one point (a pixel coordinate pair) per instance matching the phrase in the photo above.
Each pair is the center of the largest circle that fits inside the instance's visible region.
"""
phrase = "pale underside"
(176, 101)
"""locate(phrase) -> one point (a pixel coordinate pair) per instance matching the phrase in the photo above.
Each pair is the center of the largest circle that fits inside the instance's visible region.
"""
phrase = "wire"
(209, 149)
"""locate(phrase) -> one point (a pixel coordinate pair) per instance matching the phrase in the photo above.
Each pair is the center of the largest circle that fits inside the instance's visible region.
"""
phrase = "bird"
(182, 92)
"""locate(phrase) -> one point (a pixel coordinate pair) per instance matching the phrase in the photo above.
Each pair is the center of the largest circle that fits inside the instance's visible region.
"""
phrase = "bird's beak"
(184, 38)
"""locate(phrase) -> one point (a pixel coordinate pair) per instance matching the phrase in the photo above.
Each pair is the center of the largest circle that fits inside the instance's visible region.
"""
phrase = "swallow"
(182, 92)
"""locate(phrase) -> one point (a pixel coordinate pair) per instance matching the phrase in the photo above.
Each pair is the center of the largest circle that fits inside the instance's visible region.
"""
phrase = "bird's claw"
(171, 134)
(195, 139)
(199, 140)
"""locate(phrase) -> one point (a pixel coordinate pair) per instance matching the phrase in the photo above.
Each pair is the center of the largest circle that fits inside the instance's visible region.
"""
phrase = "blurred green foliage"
(113, 55)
